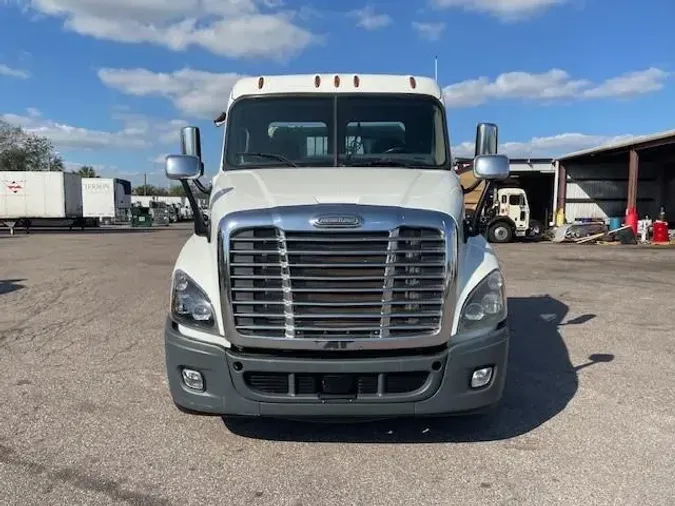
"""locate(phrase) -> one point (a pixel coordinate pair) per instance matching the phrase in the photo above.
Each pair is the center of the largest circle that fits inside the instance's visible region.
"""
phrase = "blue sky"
(112, 81)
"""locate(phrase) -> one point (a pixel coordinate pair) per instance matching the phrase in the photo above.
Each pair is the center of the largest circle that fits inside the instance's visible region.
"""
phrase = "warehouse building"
(604, 182)
(534, 175)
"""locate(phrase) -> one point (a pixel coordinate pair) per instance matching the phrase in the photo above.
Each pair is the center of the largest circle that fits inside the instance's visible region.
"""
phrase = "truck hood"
(437, 190)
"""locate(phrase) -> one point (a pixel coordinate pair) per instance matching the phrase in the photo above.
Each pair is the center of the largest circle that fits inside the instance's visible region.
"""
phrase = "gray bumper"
(444, 391)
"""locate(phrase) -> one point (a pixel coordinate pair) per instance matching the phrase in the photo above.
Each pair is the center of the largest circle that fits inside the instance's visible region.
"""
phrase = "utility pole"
(436, 68)
(145, 184)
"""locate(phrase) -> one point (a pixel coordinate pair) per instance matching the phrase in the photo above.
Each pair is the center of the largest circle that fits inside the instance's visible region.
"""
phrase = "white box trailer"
(106, 199)
(31, 195)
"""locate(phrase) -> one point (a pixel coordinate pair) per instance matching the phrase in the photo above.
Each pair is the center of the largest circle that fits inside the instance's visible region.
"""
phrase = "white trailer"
(108, 200)
(45, 196)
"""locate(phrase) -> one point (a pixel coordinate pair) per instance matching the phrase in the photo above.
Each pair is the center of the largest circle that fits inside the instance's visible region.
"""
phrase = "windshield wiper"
(273, 156)
(390, 162)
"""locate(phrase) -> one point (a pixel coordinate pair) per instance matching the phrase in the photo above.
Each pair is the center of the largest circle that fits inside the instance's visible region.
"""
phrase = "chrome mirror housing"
(183, 167)
(486, 139)
(191, 141)
(491, 167)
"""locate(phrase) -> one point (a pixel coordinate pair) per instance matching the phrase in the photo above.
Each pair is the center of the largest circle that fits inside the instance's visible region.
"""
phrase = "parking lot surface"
(588, 415)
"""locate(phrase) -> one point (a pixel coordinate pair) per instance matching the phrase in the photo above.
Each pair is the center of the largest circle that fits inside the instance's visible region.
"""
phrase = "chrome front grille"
(337, 284)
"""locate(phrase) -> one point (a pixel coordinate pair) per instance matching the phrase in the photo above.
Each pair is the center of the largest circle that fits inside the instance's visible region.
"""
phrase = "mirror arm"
(472, 224)
(201, 228)
(472, 187)
(201, 187)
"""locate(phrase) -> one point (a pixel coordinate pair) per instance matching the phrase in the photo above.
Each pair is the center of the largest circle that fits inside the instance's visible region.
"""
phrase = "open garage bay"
(588, 415)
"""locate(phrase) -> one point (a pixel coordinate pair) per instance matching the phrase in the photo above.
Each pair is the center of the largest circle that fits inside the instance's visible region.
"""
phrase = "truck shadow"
(541, 381)
(10, 285)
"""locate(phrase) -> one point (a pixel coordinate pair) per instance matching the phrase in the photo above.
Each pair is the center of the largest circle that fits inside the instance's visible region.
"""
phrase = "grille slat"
(327, 285)
(339, 265)
(342, 252)
(336, 290)
(340, 315)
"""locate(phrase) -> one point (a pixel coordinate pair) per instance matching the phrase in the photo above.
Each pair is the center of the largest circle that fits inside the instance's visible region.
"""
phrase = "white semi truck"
(506, 215)
(336, 275)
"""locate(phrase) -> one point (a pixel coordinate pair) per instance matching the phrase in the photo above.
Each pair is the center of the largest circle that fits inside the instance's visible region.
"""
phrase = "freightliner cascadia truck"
(335, 275)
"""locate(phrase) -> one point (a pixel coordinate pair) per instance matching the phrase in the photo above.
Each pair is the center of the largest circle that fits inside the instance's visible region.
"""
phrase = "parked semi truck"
(337, 275)
(506, 215)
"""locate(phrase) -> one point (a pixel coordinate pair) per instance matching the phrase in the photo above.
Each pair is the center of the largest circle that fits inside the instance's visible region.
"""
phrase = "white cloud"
(232, 28)
(368, 19)
(551, 146)
(159, 159)
(632, 83)
(102, 170)
(554, 84)
(204, 94)
(429, 31)
(33, 112)
(506, 10)
(12, 72)
(137, 132)
(193, 92)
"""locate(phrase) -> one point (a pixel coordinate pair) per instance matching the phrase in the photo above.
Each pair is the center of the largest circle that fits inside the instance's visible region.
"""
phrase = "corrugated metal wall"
(600, 191)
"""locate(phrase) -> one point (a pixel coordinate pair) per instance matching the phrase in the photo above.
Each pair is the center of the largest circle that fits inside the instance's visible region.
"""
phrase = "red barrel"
(660, 231)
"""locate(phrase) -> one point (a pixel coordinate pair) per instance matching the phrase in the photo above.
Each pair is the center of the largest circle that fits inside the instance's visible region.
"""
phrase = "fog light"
(193, 379)
(481, 377)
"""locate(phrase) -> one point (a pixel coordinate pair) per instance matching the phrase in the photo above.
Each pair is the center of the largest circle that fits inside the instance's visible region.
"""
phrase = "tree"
(150, 190)
(87, 171)
(21, 150)
(10, 135)
(177, 191)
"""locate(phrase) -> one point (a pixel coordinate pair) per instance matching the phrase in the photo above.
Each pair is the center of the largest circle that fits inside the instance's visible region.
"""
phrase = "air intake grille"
(280, 383)
(328, 285)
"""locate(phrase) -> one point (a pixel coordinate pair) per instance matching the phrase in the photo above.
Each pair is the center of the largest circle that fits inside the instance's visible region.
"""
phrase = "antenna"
(436, 68)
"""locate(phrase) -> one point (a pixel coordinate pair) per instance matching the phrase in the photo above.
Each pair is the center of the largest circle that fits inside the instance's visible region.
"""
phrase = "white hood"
(437, 190)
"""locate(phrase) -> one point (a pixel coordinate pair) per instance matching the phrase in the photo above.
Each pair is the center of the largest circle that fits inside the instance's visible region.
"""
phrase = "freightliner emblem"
(337, 221)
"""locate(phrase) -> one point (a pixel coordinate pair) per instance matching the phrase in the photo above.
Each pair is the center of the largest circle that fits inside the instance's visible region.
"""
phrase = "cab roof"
(336, 83)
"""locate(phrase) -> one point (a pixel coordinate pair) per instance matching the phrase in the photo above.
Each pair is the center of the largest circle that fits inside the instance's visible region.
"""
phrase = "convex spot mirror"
(491, 167)
(183, 167)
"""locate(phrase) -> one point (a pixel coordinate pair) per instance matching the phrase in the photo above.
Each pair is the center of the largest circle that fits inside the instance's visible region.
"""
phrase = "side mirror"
(183, 167)
(191, 141)
(486, 139)
(491, 167)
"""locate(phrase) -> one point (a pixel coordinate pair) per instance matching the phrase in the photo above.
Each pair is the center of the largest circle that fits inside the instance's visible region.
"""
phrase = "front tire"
(500, 232)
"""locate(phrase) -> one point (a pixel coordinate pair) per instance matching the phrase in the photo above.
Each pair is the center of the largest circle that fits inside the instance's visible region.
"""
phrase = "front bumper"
(254, 384)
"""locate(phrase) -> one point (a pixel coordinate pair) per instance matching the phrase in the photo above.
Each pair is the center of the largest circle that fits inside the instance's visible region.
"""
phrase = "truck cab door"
(519, 211)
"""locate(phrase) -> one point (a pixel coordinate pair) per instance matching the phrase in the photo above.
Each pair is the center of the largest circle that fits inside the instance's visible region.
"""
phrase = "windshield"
(382, 129)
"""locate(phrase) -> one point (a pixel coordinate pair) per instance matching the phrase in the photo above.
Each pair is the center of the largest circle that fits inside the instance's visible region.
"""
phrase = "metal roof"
(635, 141)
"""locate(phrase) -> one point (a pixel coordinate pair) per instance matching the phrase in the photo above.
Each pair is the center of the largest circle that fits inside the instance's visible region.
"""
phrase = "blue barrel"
(614, 223)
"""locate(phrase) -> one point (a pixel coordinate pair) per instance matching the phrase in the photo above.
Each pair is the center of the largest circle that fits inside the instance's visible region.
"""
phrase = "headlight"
(189, 304)
(486, 305)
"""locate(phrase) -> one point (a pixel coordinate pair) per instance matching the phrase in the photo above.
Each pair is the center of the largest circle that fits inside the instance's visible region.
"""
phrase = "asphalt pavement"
(588, 415)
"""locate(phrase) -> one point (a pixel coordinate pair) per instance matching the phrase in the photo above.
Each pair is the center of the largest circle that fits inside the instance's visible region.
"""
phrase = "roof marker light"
(317, 81)
(356, 81)
(336, 81)
(413, 83)
(261, 81)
